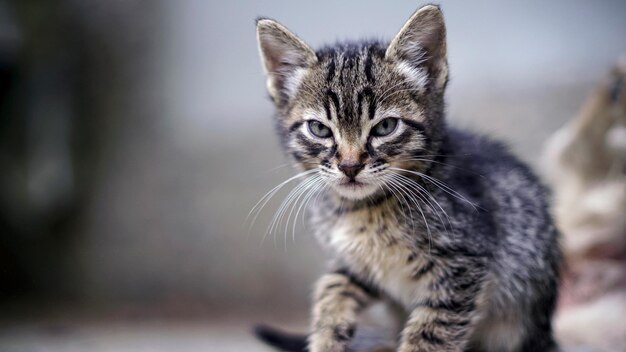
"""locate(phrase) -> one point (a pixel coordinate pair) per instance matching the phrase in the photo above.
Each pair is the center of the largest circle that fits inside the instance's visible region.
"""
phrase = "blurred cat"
(586, 164)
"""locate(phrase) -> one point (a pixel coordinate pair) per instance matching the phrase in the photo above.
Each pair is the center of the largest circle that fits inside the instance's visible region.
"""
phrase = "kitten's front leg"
(444, 319)
(436, 326)
(338, 299)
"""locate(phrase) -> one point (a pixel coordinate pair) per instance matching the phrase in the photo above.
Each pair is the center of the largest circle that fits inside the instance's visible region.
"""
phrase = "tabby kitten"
(447, 224)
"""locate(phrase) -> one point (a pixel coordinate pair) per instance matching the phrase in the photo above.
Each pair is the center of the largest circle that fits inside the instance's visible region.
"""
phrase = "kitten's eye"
(318, 129)
(385, 127)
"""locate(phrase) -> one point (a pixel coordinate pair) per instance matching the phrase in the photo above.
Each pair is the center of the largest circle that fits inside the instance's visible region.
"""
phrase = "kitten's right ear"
(285, 57)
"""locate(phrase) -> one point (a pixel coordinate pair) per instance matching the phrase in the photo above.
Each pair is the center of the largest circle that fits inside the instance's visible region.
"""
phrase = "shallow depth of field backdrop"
(135, 136)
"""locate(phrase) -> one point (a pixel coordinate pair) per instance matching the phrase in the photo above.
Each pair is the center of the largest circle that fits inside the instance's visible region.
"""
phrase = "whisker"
(394, 194)
(319, 193)
(266, 198)
(396, 92)
(394, 190)
(402, 191)
(311, 191)
(382, 95)
(439, 184)
(294, 203)
(291, 204)
(276, 168)
(443, 163)
(421, 212)
(279, 213)
(426, 196)
(300, 197)
(429, 197)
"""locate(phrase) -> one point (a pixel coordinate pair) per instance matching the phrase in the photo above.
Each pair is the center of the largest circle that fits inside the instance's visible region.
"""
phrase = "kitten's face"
(358, 111)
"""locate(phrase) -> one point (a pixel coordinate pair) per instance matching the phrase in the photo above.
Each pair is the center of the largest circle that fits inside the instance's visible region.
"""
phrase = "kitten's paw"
(326, 346)
(335, 339)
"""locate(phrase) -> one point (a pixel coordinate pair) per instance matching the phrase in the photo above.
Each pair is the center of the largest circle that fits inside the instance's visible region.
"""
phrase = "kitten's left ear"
(421, 43)
(284, 56)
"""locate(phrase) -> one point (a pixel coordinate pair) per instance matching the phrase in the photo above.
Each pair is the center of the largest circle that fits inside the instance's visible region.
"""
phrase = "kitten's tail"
(281, 340)
(366, 338)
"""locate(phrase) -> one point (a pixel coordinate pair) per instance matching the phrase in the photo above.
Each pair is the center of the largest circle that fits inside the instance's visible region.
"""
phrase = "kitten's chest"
(373, 247)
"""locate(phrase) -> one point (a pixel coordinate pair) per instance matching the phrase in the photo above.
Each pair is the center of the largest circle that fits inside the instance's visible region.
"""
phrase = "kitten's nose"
(350, 168)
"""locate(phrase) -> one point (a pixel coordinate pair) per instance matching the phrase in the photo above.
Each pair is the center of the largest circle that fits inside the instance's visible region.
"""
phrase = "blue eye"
(385, 127)
(318, 129)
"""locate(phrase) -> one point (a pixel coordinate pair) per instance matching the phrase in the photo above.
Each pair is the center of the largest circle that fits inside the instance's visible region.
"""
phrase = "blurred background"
(135, 137)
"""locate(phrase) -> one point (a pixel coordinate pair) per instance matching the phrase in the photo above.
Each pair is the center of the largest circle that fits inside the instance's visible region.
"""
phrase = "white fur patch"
(616, 139)
(385, 265)
(414, 74)
(293, 81)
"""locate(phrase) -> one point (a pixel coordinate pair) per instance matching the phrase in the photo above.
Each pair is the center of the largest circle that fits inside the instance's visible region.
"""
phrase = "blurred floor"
(133, 330)
(182, 336)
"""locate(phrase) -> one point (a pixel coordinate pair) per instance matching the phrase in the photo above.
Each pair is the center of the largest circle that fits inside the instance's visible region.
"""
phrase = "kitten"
(444, 223)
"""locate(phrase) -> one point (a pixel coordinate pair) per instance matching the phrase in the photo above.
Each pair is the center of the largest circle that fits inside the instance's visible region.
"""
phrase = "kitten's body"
(446, 224)
(377, 242)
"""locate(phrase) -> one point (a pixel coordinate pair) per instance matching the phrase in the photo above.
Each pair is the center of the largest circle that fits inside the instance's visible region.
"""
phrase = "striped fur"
(444, 223)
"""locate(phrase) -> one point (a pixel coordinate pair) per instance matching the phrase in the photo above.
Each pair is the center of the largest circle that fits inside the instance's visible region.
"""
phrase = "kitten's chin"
(355, 190)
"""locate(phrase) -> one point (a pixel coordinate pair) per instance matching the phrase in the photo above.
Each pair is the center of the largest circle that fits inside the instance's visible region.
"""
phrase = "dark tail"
(281, 340)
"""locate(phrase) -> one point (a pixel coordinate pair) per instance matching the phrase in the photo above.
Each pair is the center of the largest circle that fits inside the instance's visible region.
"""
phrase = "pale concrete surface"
(144, 336)
(81, 334)
(129, 337)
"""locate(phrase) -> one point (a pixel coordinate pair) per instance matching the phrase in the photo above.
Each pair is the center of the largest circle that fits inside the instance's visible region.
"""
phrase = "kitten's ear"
(284, 56)
(421, 43)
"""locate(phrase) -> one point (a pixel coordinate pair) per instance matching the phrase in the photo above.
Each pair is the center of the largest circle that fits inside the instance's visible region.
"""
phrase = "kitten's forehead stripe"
(331, 71)
(351, 84)
(359, 102)
(327, 109)
(367, 92)
(368, 69)
(335, 100)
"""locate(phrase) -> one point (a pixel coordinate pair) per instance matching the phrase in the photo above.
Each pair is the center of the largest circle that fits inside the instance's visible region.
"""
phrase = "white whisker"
(284, 205)
(391, 179)
(263, 201)
(401, 190)
(311, 192)
(294, 203)
(439, 184)
(290, 203)
(396, 92)
(426, 196)
(382, 95)
(442, 163)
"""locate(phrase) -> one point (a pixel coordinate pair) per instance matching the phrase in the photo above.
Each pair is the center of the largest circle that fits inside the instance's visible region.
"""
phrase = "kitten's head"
(356, 111)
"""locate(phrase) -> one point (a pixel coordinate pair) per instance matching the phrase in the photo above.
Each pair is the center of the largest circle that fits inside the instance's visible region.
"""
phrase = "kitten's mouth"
(354, 189)
(352, 184)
